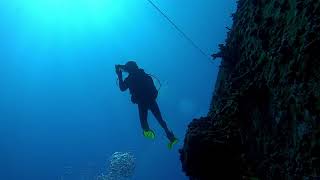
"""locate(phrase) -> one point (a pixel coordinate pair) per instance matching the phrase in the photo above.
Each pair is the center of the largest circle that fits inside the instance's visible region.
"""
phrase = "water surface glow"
(71, 13)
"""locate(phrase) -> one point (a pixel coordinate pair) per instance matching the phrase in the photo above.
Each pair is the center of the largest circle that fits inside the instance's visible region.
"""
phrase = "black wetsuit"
(144, 94)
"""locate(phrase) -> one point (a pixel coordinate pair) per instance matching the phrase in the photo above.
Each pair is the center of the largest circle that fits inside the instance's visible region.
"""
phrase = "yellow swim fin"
(149, 134)
(172, 143)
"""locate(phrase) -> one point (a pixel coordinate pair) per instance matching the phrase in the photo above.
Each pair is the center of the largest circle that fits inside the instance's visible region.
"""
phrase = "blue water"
(61, 113)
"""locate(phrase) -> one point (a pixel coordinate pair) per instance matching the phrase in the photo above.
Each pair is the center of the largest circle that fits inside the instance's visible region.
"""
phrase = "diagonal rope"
(179, 29)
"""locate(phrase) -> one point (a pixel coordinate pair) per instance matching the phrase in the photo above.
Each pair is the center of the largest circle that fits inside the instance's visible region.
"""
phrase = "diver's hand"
(118, 71)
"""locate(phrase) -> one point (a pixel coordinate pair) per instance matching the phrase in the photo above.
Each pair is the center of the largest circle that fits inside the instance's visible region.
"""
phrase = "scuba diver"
(144, 94)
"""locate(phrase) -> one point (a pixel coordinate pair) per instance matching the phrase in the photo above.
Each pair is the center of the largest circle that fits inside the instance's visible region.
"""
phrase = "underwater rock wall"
(264, 120)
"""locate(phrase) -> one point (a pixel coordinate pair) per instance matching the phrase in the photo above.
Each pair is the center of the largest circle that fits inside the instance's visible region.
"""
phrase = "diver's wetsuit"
(144, 93)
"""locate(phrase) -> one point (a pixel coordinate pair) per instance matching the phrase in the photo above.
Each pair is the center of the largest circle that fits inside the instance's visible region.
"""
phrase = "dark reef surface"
(264, 119)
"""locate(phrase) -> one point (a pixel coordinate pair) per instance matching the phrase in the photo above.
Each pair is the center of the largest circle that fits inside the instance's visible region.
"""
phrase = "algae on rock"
(264, 118)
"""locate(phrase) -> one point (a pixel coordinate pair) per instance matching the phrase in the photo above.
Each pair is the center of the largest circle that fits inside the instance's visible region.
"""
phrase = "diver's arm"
(123, 86)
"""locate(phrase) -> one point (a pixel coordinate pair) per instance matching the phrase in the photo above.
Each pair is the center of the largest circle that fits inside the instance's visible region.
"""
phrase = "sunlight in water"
(71, 13)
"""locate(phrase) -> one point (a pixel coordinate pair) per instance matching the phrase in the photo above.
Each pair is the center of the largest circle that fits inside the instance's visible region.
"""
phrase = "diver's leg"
(157, 114)
(143, 114)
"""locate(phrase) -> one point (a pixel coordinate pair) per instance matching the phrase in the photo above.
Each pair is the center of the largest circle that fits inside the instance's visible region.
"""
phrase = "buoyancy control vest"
(142, 87)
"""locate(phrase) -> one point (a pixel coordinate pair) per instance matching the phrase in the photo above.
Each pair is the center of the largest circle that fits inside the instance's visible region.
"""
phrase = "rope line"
(179, 29)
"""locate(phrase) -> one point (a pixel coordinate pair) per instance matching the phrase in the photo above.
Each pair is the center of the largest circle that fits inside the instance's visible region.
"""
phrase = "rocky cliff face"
(264, 121)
